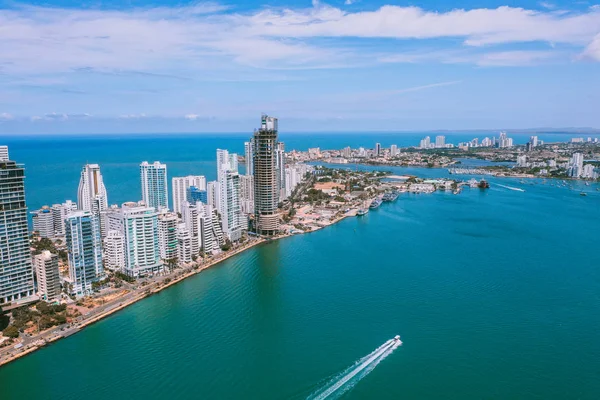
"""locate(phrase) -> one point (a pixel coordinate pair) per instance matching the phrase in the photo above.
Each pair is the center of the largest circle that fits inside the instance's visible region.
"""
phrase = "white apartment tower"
(59, 213)
(248, 152)
(154, 185)
(180, 186)
(167, 235)
(139, 226)
(48, 278)
(43, 222)
(228, 201)
(440, 142)
(114, 250)
(91, 195)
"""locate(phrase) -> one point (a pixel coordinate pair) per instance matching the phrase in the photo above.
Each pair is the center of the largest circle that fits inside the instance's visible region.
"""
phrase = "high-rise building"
(47, 275)
(190, 214)
(91, 195)
(346, 152)
(85, 251)
(139, 225)
(167, 235)
(59, 213)
(16, 270)
(280, 157)
(377, 149)
(248, 154)
(425, 143)
(43, 222)
(486, 142)
(114, 250)
(180, 186)
(440, 142)
(230, 210)
(213, 193)
(266, 191)
(184, 244)
(522, 161)
(247, 194)
(534, 141)
(195, 195)
(589, 172)
(228, 198)
(154, 185)
(576, 165)
(393, 150)
(504, 141)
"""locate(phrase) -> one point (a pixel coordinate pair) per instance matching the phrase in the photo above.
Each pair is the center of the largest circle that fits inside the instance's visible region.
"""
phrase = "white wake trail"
(511, 188)
(346, 380)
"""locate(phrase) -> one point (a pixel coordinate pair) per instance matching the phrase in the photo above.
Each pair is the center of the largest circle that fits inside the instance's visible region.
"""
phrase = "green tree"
(3, 319)
(11, 331)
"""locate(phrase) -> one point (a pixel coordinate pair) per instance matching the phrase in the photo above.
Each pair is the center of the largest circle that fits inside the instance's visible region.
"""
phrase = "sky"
(340, 65)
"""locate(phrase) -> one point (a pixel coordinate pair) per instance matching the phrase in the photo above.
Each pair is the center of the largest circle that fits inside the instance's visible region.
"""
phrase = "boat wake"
(511, 188)
(347, 379)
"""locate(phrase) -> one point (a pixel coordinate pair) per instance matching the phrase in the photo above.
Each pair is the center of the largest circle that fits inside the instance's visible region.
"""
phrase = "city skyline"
(321, 65)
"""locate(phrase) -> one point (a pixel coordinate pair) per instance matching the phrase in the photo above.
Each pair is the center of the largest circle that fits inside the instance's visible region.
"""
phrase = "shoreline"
(54, 334)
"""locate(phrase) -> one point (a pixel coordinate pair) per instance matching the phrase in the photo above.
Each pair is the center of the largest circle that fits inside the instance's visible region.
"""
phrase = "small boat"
(583, 194)
(456, 191)
(390, 196)
(362, 211)
(375, 204)
(483, 184)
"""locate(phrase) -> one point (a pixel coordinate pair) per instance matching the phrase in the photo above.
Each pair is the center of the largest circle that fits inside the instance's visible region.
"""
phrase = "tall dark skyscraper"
(16, 268)
(266, 183)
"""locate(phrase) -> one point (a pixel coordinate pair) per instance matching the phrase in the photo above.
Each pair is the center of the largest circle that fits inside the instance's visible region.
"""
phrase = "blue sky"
(137, 66)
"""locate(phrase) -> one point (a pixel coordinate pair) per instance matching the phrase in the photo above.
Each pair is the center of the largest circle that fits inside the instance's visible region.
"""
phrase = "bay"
(495, 294)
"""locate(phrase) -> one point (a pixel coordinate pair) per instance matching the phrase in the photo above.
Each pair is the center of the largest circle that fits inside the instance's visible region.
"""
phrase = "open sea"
(496, 294)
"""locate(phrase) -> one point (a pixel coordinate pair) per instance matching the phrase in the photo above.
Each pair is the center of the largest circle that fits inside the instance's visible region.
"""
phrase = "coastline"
(54, 334)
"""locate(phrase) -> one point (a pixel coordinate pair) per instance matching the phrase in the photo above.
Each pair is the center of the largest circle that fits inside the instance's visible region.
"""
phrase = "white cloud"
(516, 58)
(191, 117)
(210, 37)
(592, 51)
(547, 5)
(6, 117)
(349, 2)
(133, 116)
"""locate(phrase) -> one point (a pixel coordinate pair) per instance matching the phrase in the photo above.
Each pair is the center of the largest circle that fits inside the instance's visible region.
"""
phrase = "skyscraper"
(377, 149)
(167, 235)
(280, 152)
(139, 226)
(266, 190)
(16, 270)
(85, 251)
(440, 142)
(248, 154)
(393, 150)
(228, 198)
(180, 186)
(48, 278)
(91, 195)
(154, 185)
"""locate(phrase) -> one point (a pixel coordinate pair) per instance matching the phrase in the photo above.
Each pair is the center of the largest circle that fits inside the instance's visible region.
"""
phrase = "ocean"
(494, 293)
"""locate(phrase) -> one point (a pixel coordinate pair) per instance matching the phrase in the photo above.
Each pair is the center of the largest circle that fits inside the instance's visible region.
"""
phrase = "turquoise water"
(495, 294)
